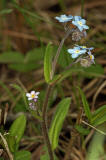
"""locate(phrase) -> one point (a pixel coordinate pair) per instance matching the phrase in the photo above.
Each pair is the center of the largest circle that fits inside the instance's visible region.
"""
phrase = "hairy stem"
(58, 51)
(45, 105)
(44, 123)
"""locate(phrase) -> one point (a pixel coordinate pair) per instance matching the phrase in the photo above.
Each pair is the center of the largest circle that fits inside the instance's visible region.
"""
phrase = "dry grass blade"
(6, 147)
(97, 93)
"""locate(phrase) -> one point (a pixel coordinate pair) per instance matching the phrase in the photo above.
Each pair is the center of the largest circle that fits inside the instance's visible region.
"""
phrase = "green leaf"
(17, 87)
(11, 57)
(99, 116)
(98, 111)
(22, 155)
(99, 120)
(45, 156)
(1, 158)
(5, 11)
(35, 55)
(48, 63)
(57, 122)
(96, 149)
(11, 142)
(85, 105)
(10, 94)
(17, 128)
(64, 58)
(93, 71)
(55, 79)
(24, 67)
(82, 130)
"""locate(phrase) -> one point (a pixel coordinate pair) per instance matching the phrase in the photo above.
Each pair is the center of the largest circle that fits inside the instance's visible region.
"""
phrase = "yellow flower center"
(64, 18)
(33, 95)
(80, 23)
(90, 57)
(77, 51)
(84, 47)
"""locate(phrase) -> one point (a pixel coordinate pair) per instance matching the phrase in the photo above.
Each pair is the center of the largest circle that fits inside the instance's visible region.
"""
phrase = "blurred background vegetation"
(26, 27)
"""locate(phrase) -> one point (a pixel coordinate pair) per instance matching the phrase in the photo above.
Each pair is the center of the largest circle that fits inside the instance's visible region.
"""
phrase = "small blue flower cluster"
(80, 50)
(76, 20)
(77, 34)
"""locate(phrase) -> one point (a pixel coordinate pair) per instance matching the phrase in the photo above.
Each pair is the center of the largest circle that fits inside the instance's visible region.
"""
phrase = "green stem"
(44, 123)
(45, 105)
(58, 52)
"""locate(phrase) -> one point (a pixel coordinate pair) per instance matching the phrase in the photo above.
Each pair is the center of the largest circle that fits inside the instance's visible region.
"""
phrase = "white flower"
(32, 95)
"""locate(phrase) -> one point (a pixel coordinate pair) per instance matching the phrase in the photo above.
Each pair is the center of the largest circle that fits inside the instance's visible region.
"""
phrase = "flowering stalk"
(58, 52)
(44, 123)
(79, 28)
(45, 105)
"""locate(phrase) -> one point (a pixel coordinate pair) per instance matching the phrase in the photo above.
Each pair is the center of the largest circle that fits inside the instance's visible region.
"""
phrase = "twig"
(6, 146)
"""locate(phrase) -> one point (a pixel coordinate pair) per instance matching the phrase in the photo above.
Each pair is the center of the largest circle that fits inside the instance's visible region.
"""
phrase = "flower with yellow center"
(91, 57)
(33, 95)
(76, 51)
(80, 23)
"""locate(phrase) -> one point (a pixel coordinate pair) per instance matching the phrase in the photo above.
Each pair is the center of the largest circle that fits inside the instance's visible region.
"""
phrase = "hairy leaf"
(57, 122)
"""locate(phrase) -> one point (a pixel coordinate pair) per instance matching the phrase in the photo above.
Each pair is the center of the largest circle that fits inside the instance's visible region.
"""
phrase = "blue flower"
(64, 18)
(76, 51)
(91, 56)
(80, 23)
(84, 47)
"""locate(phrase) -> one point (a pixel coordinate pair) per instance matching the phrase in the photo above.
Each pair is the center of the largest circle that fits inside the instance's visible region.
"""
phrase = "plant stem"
(82, 8)
(44, 123)
(58, 52)
(45, 105)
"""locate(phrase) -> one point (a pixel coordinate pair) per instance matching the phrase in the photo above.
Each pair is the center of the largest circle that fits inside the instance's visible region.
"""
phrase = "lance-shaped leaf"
(85, 105)
(48, 63)
(99, 116)
(17, 130)
(57, 122)
(22, 155)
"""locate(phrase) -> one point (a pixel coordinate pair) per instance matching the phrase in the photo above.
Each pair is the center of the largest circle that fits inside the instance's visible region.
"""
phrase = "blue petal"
(83, 51)
(75, 55)
(77, 48)
(89, 52)
(83, 21)
(91, 48)
(80, 28)
(85, 26)
(71, 51)
(58, 18)
(75, 23)
(77, 18)
(70, 16)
